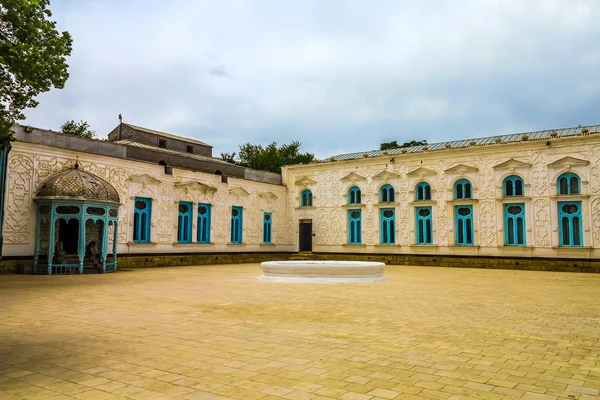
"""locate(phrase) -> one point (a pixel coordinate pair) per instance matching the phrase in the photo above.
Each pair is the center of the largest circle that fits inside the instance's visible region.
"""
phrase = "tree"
(80, 129)
(270, 158)
(32, 59)
(394, 144)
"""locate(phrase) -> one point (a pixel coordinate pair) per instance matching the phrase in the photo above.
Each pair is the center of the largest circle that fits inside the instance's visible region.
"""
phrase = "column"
(116, 236)
(82, 240)
(51, 239)
(104, 242)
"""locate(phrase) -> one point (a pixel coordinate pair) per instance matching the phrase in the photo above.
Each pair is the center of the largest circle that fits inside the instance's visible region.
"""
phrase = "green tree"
(394, 144)
(270, 158)
(32, 59)
(80, 129)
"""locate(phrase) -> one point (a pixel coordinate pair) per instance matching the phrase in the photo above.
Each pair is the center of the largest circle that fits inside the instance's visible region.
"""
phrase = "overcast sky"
(339, 76)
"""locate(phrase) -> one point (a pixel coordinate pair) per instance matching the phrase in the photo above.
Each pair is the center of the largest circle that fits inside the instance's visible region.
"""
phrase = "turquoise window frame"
(461, 187)
(424, 226)
(355, 227)
(354, 195)
(142, 220)
(237, 221)
(572, 184)
(570, 225)
(306, 198)
(387, 226)
(515, 227)
(423, 191)
(203, 223)
(267, 227)
(464, 224)
(184, 222)
(387, 194)
(511, 184)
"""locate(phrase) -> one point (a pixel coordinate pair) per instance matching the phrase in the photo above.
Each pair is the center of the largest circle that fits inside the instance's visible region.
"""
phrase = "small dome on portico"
(76, 184)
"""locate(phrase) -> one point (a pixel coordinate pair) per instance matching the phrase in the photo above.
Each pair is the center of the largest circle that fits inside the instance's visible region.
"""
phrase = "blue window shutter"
(570, 224)
(203, 225)
(142, 213)
(424, 225)
(463, 221)
(514, 225)
(388, 226)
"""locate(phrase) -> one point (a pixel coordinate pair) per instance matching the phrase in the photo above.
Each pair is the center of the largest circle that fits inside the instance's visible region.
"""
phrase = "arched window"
(569, 224)
(423, 191)
(464, 225)
(236, 224)
(354, 226)
(514, 224)
(424, 226)
(184, 222)
(513, 186)
(462, 190)
(568, 183)
(354, 195)
(306, 198)
(142, 212)
(267, 231)
(203, 223)
(388, 226)
(386, 194)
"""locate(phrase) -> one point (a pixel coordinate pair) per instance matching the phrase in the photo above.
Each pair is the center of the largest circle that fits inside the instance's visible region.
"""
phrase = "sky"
(338, 75)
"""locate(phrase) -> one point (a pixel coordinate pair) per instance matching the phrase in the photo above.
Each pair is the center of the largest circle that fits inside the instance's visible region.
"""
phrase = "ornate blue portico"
(76, 212)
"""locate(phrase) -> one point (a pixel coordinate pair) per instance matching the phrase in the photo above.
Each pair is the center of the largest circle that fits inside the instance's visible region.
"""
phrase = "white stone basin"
(322, 271)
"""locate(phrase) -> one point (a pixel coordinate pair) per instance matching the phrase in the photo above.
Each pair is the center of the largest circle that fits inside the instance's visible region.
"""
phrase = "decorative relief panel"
(595, 169)
(440, 191)
(328, 227)
(254, 224)
(542, 223)
(487, 223)
(486, 179)
(166, 213)
(18, 201)
(596, 222)
(222, 217)
(540, 173)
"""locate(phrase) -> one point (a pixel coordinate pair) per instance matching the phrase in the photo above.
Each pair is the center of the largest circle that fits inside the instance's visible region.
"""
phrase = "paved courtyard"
(215, 332)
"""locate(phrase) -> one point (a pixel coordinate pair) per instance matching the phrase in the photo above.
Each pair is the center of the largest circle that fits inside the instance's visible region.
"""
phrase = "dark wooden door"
(305, 236)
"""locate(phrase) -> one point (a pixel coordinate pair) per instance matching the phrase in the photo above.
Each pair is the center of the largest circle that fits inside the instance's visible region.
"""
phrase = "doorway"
(68, 234)
(305, 235)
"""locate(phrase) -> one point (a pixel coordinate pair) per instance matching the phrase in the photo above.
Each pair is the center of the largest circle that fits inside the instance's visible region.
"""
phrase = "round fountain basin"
(322, 271)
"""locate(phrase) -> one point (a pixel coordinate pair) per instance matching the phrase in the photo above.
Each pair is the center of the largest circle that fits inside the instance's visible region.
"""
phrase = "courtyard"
(216, 332)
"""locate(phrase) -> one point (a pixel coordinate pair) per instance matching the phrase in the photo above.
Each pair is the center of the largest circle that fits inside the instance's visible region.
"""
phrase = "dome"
(76, 184)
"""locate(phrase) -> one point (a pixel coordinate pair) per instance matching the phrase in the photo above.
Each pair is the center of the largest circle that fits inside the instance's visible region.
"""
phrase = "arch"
(513, 186)
(162, 162)
(422, 191)
(218, 172)
(463, 189)
(568, 183)
(387, 194)
(306, 198)
(354, 195)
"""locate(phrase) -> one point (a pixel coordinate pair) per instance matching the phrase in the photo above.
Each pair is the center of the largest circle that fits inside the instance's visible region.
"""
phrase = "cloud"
(338, 75)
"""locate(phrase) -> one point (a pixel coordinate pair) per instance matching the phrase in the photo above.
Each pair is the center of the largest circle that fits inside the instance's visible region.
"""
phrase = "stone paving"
(216, 332)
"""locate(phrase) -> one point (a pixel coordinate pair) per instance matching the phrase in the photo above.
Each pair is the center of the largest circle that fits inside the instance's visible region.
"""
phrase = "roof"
(167, 135)
(168, 151)
(455, 144)
(74, 183)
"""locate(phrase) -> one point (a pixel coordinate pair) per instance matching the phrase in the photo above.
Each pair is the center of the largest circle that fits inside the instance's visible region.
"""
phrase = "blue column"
(51, 239)
(104, 242)
(36, 252)
(116, 237)
(82, 239)
(3, 174)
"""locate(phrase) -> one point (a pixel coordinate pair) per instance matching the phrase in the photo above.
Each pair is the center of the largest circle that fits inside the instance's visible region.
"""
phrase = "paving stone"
(216, 332)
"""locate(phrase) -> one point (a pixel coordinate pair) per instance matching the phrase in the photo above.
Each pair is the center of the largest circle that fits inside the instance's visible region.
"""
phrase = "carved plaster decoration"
(421, 172)
(567, 161)
(304, 182)
(595, 206)
(144, 179)
(404, 232)
(328, 227)
(18, 202)
(540, 173)
(512, 164)
(385, 176)
(353, 177)
(541, 223)
(461, 168)
(166, 213)
(595, 170)
(222, 216)
(486, 179)
(487, 218)
(239, 192)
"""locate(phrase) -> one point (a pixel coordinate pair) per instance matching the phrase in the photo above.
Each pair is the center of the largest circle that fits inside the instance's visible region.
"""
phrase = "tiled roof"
(167, 135)
(455, 144)
(178, 153)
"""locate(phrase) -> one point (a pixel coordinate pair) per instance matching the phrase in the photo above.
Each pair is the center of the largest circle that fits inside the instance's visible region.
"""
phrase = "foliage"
(394, 144)
(270, 158)
(32, 59)
(80, 129)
